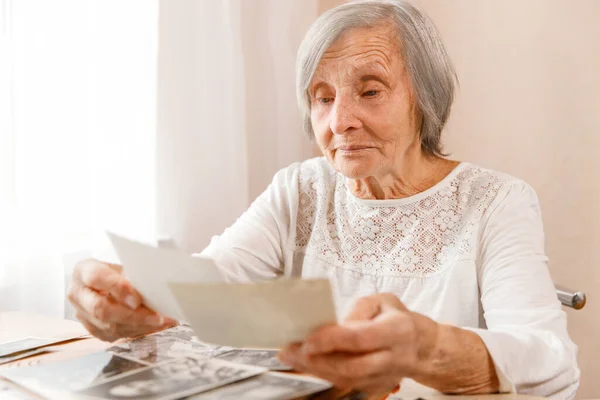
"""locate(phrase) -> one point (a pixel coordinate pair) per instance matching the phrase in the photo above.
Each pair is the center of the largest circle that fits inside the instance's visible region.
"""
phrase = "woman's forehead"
(354, 41)
(364, 51)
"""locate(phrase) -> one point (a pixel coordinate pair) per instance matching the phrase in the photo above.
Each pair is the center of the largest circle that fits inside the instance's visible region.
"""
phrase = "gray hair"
(431, 73)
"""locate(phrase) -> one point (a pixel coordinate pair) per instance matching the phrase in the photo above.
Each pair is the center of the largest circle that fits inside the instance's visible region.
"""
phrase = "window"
(77, 137)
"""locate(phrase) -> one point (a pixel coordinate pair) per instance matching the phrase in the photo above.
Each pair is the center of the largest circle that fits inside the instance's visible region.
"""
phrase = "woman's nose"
(344, 116)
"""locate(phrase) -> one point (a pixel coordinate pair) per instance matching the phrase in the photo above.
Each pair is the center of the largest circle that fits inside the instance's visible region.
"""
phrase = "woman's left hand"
(378, 344)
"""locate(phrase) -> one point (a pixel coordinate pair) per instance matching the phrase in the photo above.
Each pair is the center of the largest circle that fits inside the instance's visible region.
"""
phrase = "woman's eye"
(325, 100)
(370, 93)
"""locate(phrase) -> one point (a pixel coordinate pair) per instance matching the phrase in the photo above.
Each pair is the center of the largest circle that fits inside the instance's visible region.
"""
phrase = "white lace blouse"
(469, 252)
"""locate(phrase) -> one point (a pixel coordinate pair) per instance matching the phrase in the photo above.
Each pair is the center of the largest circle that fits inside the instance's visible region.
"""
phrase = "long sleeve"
(253, 248)
(526, 331)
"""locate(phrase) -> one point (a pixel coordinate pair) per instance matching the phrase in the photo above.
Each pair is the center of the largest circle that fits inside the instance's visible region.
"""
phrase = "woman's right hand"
(108, 305)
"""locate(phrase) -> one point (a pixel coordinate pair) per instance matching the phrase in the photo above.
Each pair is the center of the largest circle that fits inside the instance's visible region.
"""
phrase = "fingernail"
(103, 325)
(155, 320)
(132, 302)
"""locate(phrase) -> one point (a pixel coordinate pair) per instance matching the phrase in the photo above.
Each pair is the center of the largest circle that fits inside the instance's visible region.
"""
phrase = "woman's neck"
(413, 175)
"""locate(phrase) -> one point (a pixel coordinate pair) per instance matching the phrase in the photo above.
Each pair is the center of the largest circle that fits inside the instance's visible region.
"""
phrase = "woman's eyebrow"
(367, 78)
(316, 86)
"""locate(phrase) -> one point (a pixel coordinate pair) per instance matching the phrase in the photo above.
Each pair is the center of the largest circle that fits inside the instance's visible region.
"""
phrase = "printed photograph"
(173, 380)
(180, 332)
(73, 374)
(268, 386)
(260, 358)
(30, 343)
(154, 349)
(22, 354)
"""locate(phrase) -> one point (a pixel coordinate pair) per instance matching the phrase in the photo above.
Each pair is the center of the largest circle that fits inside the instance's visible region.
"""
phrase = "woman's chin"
(355, 169)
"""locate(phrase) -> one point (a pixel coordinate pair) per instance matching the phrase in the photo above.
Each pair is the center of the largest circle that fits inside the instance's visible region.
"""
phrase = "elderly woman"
(438, 265)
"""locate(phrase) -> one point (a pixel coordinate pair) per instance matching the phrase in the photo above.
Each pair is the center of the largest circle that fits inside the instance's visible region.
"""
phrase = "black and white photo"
(73, 374)
(25, 344)
(179, 332)
(268, 386)
(261, 358)
(154, 349)
(173, 380)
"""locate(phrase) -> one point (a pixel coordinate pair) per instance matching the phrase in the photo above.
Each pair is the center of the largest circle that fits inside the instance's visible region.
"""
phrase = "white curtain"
(227, 115)
(155, 119)
(77, 137)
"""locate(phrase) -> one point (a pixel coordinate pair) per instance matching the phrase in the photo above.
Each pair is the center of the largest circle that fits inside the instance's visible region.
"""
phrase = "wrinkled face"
(361, 106)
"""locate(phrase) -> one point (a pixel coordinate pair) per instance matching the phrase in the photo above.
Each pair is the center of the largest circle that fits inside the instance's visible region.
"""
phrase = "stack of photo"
(171, 364)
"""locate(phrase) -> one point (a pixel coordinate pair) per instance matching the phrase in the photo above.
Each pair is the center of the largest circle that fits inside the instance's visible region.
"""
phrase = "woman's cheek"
(321, 129)
(318, 117)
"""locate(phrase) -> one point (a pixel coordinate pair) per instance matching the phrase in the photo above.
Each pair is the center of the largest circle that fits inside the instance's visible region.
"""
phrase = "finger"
(342, 369)
(111, 330)
(289, 353)
(104, 278)
(390, 300)
(114, 331)
(102, 332)
(369, 373)
(98, 333)
(364, 308)
(381, 388)
(106, 309)
(131, 331)
(369, 307)
(115, 267)
(361, 336)
(83, 316)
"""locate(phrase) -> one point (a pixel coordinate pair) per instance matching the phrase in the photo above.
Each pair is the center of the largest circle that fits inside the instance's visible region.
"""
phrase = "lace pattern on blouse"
(413, 239)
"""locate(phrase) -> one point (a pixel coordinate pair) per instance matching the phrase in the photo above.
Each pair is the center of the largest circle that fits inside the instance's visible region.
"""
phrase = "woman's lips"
(353, 149)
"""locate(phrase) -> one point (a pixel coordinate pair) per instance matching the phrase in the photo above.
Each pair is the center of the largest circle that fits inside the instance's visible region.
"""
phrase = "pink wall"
(529, 105)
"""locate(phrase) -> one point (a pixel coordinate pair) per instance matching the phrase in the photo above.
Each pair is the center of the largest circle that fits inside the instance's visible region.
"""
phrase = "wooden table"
(17, 325)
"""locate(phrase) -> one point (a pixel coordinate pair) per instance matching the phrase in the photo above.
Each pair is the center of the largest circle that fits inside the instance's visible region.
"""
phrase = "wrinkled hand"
(107, 304)
(378, 344)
